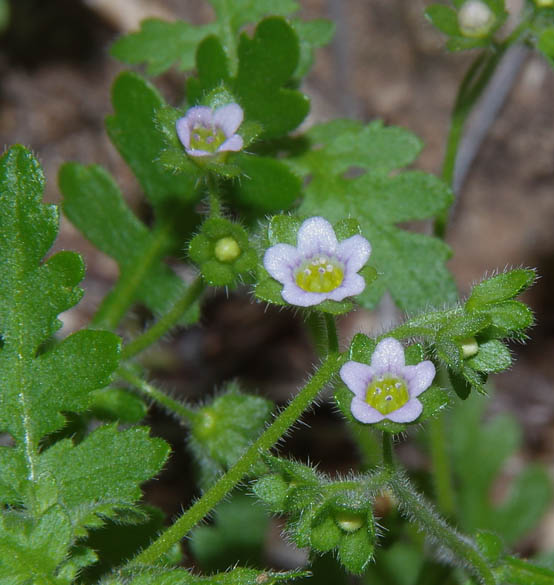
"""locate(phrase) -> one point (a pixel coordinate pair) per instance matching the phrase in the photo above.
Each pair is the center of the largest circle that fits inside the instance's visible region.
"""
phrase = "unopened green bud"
(544, 3)
(470, 347)
(227, 249)
(475, 19)
(349, 521)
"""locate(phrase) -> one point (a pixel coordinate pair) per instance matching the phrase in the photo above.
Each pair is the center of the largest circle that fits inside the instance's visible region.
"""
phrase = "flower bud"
(470, 347)
(544, 3)
(349, 521)
(475, 19)
(227, 249)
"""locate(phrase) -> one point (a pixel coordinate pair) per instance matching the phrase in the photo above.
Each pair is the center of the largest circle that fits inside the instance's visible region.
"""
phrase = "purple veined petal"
(407, 413)
(419, 377)
(389, 353)
(357, 377)
(363, 412)
(280, 261)
(316, 235)
(352, 285)
(233, 144)
(199, 115)
(182, 127)
(294, 295)
(228, 118)
(195, 152)
(354, 252)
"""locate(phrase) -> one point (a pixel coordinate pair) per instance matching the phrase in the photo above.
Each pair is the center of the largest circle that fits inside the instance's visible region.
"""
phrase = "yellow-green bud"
(349, 521)
(227, 249)
(470, 347)
(475, 19)
(544, 3)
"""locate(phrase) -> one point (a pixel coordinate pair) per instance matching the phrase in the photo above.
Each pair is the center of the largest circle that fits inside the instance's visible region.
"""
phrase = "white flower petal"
(363, 412)
(407, 413)
(419, 377)
(280, 261)
(234, 143)
(294, 295)
(316, 235)
(352, 285)
(354, 252)
(199, 115)
(357, 377)
(228, 118)
(195, 152)
(183, 131)
(388, 355)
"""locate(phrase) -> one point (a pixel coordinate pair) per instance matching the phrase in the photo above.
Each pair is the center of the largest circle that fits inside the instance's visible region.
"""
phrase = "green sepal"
(225, 428)
(500, 288)
(272, 490)
(493, 356)
(218, 270)
(325, 534)
(355, 551)
(490, 544)
(509, 319)
(112, 404)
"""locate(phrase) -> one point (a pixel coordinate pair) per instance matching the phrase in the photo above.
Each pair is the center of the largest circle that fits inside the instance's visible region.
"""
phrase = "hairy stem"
(165, 323)
(441, 469)
(117, 302)
(332, 338)
(388, 451)
(213, 195)
(227, 482)
(420, 511)
(173, 406)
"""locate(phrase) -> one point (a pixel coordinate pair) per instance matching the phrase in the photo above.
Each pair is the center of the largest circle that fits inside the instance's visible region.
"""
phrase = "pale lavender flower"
(388, 388)
(205, 132)
(320, 267)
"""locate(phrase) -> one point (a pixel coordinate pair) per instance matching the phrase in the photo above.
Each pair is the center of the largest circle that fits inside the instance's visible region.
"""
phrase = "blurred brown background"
(386, 62)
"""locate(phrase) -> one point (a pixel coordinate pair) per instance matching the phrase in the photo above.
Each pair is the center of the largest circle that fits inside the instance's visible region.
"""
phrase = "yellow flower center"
(319, 275)
(208, 139)
(227, 249)
(387, 393)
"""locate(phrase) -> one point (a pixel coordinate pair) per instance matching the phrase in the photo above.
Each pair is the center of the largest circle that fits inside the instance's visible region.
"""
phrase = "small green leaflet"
(410, 265)
(161, 44)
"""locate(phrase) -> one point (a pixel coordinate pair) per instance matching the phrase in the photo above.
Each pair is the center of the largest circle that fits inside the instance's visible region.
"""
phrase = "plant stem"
(165, 323)
(388, 451)
(332, 338)
(213, 194)
(420, 511)
(117, 302)
(173, 406)
(227, 482)
(441, 469)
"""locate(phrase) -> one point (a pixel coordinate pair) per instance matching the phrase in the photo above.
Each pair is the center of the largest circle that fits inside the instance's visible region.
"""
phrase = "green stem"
(213, 194)
(165, 323)
(318, 332)
(117, 302)
(441, 469)
(520, 572)
(388, 451)
(332, 338)
(227, 482)
(420, 511)
(171, 405)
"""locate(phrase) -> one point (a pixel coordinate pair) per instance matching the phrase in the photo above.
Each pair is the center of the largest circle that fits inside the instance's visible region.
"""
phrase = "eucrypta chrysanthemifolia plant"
(71, 510)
